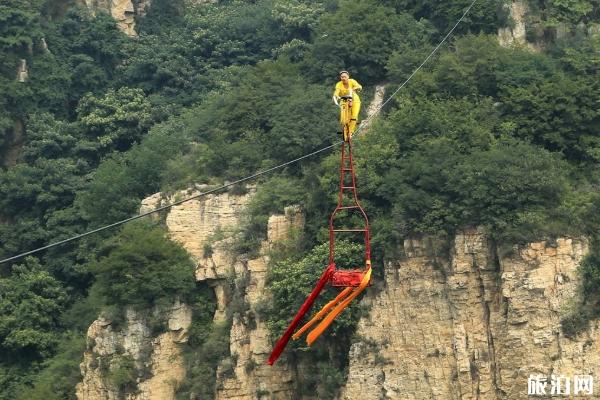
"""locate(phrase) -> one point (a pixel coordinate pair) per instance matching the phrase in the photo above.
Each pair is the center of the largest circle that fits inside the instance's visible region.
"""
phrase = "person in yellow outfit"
(348, 87)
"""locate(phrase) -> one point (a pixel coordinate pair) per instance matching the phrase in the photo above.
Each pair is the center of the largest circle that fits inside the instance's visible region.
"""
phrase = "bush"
(587, 306)
(360, 45)
(122, 374)
(30, 306)
(574, 324)
(271, 197)
(202, 359)
(590, 276)
(485, 16)
(140, 267)
(436, 170)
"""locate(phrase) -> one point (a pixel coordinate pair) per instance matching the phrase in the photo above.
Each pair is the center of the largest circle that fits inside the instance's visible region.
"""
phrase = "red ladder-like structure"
(353, 281)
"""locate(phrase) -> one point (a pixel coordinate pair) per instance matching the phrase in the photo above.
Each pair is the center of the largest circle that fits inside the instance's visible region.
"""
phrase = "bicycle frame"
(345, 116)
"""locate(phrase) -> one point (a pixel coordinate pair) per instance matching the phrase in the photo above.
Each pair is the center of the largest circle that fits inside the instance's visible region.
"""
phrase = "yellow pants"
(353, 116)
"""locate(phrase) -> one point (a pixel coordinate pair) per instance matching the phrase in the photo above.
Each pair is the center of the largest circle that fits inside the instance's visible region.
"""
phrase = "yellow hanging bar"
(315, 333)
(321, 313)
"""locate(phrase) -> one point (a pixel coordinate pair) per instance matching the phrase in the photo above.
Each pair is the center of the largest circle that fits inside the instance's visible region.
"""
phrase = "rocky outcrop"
(206, 227)
(123, 11)
(515, 33)
(250, 338)
(374, 107)
(142, 7)
(156, 361)
(448, 322)
(22, 71)
(471, 324)
(202, 223)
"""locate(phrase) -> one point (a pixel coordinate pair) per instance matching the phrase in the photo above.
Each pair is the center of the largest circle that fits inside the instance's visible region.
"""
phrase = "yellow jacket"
(340, 90)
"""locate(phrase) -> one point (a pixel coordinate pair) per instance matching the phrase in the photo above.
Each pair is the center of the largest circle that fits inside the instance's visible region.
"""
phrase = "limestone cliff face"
(201, 223)
(205, 227)
(123, 11)
(160, 356)
(514, 34)
(471, 325)
(462, 322)
(249, 340)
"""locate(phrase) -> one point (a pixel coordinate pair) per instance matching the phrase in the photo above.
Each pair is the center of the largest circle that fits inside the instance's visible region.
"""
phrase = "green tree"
(560, 114)
(359, 36)
(30, 308)
(140, 267)
(443, 190)
(290, 281)
(268, 115)
(164, 64)
(116, 120)
(96, 36)
(90, 49)
(60, 374)
(122, 180)
(573, 11)
(163, 15)
(49, 77)
(19, 24)
(485, 16)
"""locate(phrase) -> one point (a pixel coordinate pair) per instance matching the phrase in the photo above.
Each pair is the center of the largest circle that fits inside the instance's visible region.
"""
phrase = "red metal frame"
(355, 278)
(344, 278)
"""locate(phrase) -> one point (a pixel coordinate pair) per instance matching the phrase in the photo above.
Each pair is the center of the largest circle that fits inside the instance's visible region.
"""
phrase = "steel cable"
(250, 177)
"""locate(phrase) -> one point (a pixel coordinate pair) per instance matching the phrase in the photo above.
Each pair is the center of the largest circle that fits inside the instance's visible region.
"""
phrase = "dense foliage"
(504, 138)
(140, 267)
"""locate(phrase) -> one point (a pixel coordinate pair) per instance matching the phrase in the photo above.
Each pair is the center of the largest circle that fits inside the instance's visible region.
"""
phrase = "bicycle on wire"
(346, 117)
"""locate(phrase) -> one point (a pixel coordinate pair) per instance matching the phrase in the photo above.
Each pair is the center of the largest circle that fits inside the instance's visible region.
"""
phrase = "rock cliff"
(249, 338)
(109, 348)
(457, 321)
(514, 34)
(454, 319)
(123, 11)
(471, 324)
(205, 227)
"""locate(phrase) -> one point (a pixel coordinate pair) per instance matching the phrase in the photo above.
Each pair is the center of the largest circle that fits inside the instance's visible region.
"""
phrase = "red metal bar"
(285, 338)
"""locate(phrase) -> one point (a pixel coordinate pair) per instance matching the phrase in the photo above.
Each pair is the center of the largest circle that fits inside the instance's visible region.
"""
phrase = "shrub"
(202, 360)
(140, 266)
(122, 373)
(60, 374)
(573, 324)
(589, 270)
